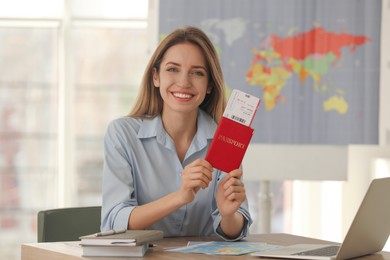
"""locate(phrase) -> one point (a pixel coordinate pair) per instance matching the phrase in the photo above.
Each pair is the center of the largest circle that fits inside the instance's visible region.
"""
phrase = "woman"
(155, 176)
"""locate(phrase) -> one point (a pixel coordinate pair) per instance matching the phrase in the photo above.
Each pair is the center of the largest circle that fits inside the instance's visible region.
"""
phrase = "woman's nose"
(184, 80)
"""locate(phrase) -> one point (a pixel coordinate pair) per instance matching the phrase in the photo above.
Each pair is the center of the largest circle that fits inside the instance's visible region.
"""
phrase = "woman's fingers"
(233, 187)
(198, 174)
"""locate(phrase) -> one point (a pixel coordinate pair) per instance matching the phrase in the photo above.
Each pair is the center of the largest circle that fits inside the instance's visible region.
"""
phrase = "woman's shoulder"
(125, 122)
(124, 125)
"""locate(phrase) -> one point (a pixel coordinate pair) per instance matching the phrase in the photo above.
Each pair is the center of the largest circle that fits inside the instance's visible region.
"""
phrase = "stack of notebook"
(119, 243)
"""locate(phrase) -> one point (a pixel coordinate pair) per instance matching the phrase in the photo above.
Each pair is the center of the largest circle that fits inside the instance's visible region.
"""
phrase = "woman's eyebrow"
(199, 67)
(179, 65)
(172, 63)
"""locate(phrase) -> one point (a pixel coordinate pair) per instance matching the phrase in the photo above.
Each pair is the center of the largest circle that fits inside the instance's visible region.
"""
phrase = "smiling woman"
(183, 82)
(149, 102)
(155, 174)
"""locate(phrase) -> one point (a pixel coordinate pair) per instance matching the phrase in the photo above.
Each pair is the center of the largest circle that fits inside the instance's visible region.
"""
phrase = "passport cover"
(228, 147)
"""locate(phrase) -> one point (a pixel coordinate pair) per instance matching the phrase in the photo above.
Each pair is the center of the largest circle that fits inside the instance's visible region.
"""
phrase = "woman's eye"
(172, 69)
(199, 73)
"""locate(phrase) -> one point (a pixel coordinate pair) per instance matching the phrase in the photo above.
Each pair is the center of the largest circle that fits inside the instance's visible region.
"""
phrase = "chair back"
(68, 224)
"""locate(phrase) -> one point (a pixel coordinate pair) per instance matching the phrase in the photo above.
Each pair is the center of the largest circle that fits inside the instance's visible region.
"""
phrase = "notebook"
(367, 234)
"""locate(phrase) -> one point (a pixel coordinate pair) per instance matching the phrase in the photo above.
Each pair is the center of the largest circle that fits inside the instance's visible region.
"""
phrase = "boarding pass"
(241, 107)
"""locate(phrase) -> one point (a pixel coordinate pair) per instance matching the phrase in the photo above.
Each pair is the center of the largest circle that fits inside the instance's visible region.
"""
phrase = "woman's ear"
(209, 89)
(156, 78)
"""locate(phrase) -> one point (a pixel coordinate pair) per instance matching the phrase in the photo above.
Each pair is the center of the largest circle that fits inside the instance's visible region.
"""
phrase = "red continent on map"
(316, 41)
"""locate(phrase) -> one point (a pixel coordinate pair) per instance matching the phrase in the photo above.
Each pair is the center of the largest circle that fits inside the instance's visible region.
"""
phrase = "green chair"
(68, 224)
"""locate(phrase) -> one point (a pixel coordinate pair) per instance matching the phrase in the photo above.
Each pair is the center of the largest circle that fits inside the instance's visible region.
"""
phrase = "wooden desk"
(71, 250)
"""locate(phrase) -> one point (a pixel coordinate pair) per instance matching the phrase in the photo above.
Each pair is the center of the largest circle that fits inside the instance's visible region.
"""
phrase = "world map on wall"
(315, 65)
(309, 54)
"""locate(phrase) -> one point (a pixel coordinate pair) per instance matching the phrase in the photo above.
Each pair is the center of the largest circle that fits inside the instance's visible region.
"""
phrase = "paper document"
(241, 107)
(225, 248)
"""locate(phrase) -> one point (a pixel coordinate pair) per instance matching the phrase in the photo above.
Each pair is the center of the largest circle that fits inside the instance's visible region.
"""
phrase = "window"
(67, 70)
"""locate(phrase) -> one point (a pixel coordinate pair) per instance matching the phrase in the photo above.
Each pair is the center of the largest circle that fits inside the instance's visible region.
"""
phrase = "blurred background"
(68, 67)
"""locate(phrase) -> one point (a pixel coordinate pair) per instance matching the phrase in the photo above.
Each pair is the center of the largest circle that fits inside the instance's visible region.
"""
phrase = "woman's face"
(183, 78)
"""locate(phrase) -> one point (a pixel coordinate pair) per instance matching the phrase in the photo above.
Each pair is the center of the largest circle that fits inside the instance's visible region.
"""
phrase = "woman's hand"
(195, 175)
(230, 193)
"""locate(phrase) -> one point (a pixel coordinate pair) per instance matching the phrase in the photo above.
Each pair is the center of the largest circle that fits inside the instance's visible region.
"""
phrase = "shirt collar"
(206, 125)
(205, 132)
(150, 127)
(154, 127)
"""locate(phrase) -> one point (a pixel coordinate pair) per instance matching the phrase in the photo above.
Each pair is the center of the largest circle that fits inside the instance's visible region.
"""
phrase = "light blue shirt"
(141, 165)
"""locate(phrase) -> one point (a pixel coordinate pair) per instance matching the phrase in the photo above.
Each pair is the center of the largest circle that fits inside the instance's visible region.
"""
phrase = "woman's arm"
(146, 215)
(232, 225)
(230, 195)
(195, 175)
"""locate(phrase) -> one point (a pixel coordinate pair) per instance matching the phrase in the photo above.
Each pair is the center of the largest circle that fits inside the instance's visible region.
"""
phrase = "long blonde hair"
(149, 102)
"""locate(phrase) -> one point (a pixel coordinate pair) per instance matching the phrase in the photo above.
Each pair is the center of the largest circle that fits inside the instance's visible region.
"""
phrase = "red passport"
(231, 139)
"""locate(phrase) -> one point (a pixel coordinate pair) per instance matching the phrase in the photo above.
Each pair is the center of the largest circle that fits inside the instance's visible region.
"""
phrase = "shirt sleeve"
(118, 184)
(244, 210)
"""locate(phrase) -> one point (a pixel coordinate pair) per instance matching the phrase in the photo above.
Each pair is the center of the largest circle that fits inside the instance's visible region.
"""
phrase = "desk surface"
(71, 250)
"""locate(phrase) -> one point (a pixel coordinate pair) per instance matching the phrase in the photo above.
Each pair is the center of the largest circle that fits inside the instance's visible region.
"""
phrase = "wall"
(384, 118)
(352, 166)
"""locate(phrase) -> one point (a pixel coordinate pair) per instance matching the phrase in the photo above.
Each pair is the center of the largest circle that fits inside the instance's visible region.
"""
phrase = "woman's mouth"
(182, 95)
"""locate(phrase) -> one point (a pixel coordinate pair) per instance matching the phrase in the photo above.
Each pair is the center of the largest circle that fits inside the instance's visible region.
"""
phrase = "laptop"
(367, 234)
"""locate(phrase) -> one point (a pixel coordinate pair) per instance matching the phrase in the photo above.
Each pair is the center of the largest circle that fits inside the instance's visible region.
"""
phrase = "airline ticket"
(241, 107)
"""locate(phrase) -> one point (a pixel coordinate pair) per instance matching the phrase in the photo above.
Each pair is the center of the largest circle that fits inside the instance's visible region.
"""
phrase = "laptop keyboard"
(324, 251)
